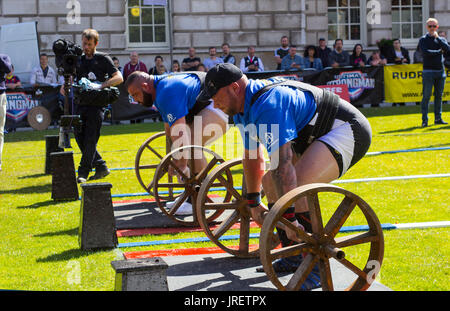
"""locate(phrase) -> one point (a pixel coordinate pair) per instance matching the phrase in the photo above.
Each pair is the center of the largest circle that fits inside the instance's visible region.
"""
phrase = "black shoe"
(424, 124)
(440, 121)
(285, 265)
(100, 173)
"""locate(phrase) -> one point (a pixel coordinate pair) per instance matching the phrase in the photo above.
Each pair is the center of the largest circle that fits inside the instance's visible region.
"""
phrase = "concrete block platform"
(224, 272)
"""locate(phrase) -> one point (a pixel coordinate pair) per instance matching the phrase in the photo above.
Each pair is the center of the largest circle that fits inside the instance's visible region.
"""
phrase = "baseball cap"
(218, 77)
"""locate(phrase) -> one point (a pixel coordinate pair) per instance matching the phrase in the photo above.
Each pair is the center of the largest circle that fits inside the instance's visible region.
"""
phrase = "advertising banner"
(403, 83)
(365, 85)
(21, 101)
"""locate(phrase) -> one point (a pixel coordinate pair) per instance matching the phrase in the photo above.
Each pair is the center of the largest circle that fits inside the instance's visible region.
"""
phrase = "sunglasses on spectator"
(432, 26)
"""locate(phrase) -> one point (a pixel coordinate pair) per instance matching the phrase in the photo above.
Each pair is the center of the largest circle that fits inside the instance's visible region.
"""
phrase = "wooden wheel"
(148, 158)
(237, 213)
(326, 242)
(167, 190)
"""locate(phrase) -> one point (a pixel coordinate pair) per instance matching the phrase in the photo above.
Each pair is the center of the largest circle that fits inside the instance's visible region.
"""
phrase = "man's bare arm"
(115, 79)
(284, 176)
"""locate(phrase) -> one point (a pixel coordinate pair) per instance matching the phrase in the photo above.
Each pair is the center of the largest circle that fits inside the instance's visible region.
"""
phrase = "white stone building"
(127, 25)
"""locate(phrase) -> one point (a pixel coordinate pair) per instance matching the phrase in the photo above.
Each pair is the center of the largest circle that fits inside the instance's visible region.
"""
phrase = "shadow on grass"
(29, 190)
(412, 128)
(73, 231)
(408, 129)
(34, 176)
(40, 204)
(69, 255)
(398, 110)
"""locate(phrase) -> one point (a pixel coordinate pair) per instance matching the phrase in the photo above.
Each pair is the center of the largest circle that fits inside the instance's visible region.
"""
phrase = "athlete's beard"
(148, 99)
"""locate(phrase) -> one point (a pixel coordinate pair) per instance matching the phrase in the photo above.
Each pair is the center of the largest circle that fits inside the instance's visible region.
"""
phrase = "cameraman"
(98, 67)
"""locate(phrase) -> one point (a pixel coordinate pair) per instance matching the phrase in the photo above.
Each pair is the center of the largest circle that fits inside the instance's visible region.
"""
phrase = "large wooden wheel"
(237, 215)
(148, 158)
(166, 188)
(325, 242)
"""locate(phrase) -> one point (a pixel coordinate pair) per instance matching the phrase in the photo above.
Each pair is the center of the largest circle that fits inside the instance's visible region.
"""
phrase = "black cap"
(217, 77)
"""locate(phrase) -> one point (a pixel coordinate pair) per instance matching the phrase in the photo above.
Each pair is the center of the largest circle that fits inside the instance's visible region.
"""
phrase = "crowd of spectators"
(286, 57)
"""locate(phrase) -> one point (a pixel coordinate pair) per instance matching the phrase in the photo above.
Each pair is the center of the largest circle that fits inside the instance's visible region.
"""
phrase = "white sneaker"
(172, 203)
(184, 209)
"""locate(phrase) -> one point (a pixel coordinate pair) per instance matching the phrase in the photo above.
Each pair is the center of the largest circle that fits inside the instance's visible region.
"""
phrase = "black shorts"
(348, 140)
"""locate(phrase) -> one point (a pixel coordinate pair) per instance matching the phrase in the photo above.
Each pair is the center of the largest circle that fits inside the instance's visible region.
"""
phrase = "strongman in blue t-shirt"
(175, 97)
(311, 136)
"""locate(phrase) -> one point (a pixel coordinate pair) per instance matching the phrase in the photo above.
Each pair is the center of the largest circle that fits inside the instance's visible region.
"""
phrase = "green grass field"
(39, 237)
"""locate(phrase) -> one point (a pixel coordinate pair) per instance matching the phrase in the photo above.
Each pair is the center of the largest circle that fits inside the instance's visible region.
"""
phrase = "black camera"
(67, 55)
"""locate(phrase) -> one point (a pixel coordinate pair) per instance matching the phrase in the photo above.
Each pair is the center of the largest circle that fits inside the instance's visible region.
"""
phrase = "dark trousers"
(430, 80)
(87, 136)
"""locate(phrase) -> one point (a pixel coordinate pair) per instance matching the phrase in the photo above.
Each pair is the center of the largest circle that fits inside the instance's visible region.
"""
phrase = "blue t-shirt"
(276, 116)
(176, 94)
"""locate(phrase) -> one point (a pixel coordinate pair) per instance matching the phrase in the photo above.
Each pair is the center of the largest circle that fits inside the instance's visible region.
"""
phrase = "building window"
(407, 19)
(147, 24)
(344, 20)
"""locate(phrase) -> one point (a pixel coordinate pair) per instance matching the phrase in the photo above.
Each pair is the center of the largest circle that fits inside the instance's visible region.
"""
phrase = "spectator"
(397, 54)
(251, 63)
(376, 59)
(339, 57)
(201, 67)
(433, 74)
(162, 69)
(418, 55)
(358, 58)
(12, 81)
(212, 60)
(43, 74)
(176, 66)
(117, 64)
(226, 54)
(311, 58)
(324, 52)
(191, 63)
(133, 65)
(292, 60)
(155, 70)
(282, 51)
(5, 67)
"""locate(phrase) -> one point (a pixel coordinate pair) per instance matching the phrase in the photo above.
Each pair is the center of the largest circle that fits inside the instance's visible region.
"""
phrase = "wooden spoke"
(244, 233)
(200, 176)
(182, 175)
(302, 273)
(219, 206)
(147, 167)
(154, 151)
(356, 239)
(230, 188)
(171, 185)
(177, 205)
(314, 210)
(325, 275)
(226, 224)
(147, 153)
(302, 235)
(340, 216)
(288, 251)
(354, 268)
